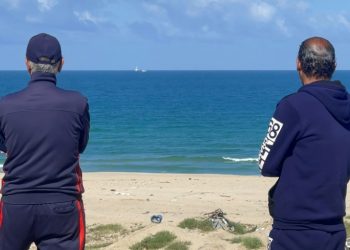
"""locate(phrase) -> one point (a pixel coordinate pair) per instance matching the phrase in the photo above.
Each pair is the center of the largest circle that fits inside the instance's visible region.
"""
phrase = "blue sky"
(174, 34)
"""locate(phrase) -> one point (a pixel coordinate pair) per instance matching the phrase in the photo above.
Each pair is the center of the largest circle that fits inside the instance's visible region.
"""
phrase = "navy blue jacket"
(308, 147)
(43, 129)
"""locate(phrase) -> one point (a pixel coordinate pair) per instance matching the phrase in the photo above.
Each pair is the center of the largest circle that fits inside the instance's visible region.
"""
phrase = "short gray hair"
(45, 68)
(317, 59)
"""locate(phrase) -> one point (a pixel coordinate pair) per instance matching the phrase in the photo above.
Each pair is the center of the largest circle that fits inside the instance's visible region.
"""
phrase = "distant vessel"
(139, 70)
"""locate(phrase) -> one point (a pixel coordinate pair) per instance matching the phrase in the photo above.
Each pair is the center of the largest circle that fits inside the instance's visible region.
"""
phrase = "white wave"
(240, 159)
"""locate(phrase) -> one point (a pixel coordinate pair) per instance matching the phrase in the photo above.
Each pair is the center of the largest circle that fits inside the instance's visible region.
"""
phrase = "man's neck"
(310, 80)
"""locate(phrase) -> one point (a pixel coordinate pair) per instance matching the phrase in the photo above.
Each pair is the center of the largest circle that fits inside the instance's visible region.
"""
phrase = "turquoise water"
(175, 121)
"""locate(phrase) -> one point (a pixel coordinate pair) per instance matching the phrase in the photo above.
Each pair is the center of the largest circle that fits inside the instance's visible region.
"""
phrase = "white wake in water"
(240, 159)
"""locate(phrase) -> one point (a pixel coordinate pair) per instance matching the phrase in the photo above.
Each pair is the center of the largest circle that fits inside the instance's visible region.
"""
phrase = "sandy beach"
(130, 199)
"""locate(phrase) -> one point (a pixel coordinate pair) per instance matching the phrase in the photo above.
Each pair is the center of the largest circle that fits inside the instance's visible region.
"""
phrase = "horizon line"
(116, 70)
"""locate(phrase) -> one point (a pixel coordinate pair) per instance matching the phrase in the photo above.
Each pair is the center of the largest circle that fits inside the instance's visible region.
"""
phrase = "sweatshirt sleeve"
(84, 137)
(2, 143)
(278, 143)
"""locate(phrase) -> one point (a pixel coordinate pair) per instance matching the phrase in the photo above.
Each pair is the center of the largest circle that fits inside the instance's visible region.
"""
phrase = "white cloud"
(208, 33)
(292, 5)
(12, 4)
(344, 21)
(86, 17)
(46, 5)
(33, 19)
(155, 9)
(282, 3)
(196, 7)
(302, 6)
(170, 30)
(281, 24)
(262, 11)
(206, 3)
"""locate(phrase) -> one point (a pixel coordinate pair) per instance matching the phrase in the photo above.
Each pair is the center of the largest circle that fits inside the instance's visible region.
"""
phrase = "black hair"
(317, 58)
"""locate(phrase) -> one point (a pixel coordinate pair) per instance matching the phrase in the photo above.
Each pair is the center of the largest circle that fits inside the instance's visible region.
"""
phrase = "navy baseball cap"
(44, 48)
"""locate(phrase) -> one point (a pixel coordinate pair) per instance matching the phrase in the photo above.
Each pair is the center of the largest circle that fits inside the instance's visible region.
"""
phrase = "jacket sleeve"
(84, 137)
(2, 143)
(280, 139)
(2, 137)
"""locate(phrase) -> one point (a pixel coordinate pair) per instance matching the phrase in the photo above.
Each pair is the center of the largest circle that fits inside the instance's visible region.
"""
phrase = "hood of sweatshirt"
(334, 96)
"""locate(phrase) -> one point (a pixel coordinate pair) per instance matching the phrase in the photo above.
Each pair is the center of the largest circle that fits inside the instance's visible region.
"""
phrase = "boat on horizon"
(139, 70)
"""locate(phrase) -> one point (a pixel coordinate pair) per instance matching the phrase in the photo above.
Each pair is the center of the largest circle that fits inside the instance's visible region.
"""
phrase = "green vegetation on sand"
(179, 245)
(347, 227)
(239, 228)
(248, 242)
(205, 225)
(156, 241)
(192, 223)
(99, 236)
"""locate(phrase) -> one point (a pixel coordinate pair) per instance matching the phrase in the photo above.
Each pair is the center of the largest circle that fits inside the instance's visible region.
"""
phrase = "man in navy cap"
(307, 147)
(43, 130)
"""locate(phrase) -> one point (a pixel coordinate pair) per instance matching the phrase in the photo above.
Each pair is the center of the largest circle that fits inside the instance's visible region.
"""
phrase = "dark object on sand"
(157, 218)
(218, 220)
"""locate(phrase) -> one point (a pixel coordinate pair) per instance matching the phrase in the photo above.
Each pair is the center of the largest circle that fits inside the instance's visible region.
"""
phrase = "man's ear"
(299, 68)
(300, 72)
(29, 69)
(61, 65)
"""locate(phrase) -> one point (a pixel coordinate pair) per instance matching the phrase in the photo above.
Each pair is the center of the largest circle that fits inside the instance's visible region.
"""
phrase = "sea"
(175, 121)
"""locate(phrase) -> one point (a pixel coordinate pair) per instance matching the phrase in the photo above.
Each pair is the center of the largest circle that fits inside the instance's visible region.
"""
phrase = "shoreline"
(171, 173)
(155, 172)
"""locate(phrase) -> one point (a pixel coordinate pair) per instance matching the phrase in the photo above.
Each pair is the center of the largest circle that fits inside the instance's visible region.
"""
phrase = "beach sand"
(130, 199)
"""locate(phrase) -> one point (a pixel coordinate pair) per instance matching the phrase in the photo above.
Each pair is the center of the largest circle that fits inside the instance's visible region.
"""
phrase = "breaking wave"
(240, 159)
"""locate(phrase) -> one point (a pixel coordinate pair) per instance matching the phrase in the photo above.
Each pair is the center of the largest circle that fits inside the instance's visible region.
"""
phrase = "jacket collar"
(40, 77)
(336, 85)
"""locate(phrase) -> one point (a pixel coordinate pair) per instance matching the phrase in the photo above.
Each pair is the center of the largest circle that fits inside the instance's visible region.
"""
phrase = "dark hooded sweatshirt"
(43, 129)
(308, 147)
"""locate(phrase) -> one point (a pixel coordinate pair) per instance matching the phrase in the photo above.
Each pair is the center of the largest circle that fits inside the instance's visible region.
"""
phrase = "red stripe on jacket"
(1, 215)
(79, 185)
(81, 229)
